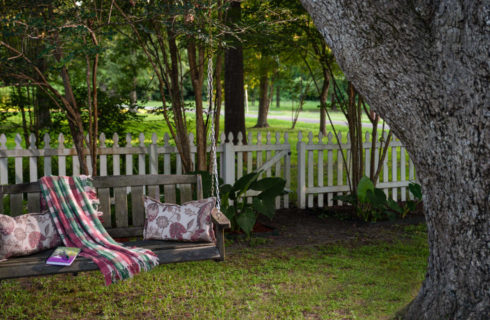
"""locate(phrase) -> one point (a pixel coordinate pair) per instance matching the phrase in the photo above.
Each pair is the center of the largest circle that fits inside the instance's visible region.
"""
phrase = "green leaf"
(242, 184)
(225, 189)
(229, 213)
(272, 193)
(246, 220)
(394, 206)
(268, 183)
(265, 207)
(349, 198)
(365, 185)
(416, 190)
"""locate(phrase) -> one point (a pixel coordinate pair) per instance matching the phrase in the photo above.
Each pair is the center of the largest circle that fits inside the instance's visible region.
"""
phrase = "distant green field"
(310, 110)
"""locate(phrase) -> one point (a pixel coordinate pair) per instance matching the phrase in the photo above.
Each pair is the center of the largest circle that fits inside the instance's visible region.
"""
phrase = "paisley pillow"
(27, 234)
(190, 221)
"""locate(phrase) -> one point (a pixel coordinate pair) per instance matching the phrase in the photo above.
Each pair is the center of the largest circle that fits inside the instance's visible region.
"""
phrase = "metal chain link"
(214, 173)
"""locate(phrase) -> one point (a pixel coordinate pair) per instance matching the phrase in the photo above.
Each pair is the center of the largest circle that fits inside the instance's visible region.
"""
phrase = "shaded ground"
(298, 227)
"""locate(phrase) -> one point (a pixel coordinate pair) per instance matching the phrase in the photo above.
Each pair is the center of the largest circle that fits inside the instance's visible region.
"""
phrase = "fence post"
(301, 149)
(229, 161)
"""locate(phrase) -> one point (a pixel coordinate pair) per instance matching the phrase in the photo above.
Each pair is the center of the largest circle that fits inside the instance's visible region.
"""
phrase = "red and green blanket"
(78, 225)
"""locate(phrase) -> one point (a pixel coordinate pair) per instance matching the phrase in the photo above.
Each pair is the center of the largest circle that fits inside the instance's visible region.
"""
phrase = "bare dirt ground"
(306, 227)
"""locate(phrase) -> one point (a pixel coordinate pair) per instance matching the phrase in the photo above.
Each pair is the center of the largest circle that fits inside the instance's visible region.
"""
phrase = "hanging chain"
(214, 173)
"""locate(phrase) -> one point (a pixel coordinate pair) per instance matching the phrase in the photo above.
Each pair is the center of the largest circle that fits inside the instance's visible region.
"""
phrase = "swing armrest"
(220, 219)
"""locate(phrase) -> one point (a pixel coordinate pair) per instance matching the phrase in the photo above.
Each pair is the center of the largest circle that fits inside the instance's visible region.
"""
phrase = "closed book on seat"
(63, 256)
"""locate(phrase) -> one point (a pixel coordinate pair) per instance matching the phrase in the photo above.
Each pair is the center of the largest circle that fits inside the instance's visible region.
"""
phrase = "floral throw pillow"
(27, 234)
(190, 221)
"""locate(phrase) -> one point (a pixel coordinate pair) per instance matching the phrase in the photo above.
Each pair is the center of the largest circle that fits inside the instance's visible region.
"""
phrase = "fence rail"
(319, 175)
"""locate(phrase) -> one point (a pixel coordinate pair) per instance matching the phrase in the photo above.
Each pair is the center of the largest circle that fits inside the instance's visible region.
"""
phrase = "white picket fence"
(321, 173)
(317, 187)
(146, 158)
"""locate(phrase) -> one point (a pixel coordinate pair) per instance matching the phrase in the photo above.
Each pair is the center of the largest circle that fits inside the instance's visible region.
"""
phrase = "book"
(63, 256)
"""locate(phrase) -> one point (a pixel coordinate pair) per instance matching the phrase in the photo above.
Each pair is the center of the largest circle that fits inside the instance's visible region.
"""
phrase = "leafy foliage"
(372, 204)
(113, 114)
(241, 212)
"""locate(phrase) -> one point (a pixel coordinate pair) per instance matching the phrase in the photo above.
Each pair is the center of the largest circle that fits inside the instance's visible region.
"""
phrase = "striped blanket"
(78, 225)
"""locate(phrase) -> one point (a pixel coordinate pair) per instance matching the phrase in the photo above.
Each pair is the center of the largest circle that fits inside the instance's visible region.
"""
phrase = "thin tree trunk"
(195, 56)
(428, 78)
(263, 101)
(182, 139)
(323, 101)
(278, 96)
(218, 70)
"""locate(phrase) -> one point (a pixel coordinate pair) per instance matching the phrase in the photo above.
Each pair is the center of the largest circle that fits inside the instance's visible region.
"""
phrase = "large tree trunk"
(263, 101)
(423, 66)
(234, 86)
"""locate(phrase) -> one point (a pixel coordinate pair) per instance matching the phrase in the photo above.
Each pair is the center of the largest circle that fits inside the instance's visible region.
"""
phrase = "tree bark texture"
(234, 83)
(424, 67)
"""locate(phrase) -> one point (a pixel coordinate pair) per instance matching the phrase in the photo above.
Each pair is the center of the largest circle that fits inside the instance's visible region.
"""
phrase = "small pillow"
(188, 222)
(27, 234)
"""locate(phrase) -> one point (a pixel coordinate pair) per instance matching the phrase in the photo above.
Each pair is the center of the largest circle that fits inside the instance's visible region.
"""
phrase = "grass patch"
(346, 281)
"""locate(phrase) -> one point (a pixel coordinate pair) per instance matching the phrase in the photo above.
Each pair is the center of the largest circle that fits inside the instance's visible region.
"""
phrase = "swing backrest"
(121, 198)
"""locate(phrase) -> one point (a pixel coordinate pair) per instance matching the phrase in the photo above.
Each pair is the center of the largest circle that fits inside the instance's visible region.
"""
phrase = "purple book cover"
(63, 256)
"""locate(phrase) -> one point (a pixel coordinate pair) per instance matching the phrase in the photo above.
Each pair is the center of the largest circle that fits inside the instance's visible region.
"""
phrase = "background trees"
(44, 42)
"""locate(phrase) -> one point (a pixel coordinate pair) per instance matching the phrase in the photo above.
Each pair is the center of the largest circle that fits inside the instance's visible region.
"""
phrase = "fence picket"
(310, 169)
(33, 204)
(330, 168)
(61, 158)
(394, 172)
(153, 191)
(277, 171)
(340, 166)
(268, 153)
(367, 154)
(48, 170)
(239, 164)
(320, 170)
(4, 172)
(403, 168)
(16, 199)
(385, 166)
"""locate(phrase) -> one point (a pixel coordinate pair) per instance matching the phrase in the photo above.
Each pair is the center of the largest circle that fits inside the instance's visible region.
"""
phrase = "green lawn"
(344, 281)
